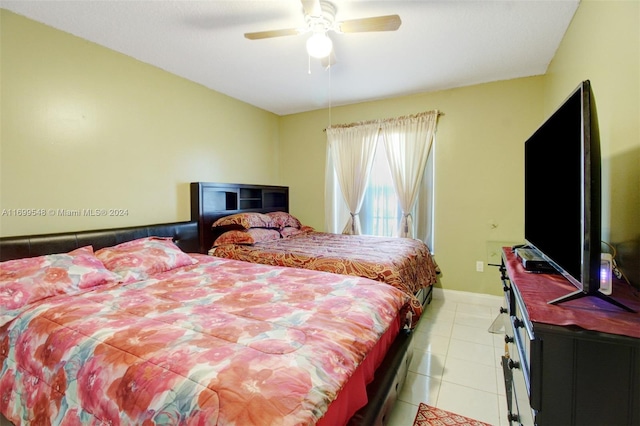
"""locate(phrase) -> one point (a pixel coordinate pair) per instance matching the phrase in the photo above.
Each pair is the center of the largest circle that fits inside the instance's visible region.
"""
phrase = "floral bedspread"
(404, 263)
(219, 342)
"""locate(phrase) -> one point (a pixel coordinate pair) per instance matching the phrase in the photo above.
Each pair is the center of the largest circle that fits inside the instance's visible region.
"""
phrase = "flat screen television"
(562, 214)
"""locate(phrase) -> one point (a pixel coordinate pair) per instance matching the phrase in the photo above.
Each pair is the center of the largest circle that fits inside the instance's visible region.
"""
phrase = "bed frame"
(211, 201)
(184, 234)
(382, 392)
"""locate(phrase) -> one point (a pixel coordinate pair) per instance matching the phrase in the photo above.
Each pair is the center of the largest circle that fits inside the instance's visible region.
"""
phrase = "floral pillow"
(141, 258)
(28, 280)
(247, 236)
(246, 221)
(284, 219)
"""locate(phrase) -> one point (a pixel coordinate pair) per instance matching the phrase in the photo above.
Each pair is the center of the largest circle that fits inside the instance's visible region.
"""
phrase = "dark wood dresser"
(575, 363)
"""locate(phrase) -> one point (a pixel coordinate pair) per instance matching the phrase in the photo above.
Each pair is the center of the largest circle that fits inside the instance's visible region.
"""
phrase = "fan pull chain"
(330, 95)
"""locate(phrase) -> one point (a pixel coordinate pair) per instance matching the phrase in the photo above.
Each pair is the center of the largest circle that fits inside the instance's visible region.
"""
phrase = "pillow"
(28, 280)
(284, 219)
(141, 258)
(246, 221)
(289, 231)
(247, 236)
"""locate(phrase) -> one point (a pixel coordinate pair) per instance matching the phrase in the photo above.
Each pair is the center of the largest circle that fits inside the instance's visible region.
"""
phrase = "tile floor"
(456, 360)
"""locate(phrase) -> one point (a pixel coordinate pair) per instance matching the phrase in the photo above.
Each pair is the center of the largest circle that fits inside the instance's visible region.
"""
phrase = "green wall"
(478, 166)
(84, 127)
(479, 153)
(603, 45)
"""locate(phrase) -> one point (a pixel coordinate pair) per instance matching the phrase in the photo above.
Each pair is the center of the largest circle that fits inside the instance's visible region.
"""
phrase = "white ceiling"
(441, 44)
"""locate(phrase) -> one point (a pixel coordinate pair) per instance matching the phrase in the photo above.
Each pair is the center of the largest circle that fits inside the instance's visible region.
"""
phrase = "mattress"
(403, 263)
(216, 342)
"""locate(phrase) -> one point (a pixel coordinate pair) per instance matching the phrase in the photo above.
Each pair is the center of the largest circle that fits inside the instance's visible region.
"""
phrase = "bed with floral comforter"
(403, 263)
(203, 341)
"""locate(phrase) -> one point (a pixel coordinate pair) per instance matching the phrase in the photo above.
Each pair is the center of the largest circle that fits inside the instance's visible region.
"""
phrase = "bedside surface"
(589, 313)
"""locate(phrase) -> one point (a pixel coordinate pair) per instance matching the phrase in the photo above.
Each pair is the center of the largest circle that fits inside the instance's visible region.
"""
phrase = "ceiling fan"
(320, 18)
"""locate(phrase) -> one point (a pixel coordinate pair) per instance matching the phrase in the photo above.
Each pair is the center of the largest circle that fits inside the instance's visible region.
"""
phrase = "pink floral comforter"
(219, 342)
(404, 263)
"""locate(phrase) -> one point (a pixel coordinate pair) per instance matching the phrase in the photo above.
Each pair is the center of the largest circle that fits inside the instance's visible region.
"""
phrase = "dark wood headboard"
(184, 234)
(211, 201)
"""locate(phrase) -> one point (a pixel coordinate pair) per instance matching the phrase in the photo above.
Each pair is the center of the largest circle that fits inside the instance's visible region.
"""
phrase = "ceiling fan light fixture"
(319, 45)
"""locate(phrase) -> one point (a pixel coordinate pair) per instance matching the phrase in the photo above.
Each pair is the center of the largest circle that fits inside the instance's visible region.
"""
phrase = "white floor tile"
(456, 361)
(472, 334)
(419, 388)
(467, 308)
(503, 411)
(482, 322)
(431, 343)
(440, 327)
(500, 381)
(441, 304)
(403, 414)
(427, 363)
(438, 314)
(470, 374)
(469, 402)
(471, 351)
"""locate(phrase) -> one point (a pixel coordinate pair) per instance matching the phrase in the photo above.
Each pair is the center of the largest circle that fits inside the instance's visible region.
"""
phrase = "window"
(379, 207)
(380, 213)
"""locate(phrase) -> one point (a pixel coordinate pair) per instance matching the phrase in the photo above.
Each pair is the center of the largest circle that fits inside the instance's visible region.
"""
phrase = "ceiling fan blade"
(377, 23)
(311, 7)
(273, 33)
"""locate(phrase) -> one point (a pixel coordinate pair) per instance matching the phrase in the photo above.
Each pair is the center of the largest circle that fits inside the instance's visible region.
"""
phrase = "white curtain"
(352, 150)
(407, 142)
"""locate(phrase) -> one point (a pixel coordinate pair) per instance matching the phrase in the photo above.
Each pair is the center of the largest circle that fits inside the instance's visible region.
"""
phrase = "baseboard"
(467, 297)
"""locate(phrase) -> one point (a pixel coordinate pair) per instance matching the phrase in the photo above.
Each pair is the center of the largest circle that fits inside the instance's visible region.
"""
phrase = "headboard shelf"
(210, 201)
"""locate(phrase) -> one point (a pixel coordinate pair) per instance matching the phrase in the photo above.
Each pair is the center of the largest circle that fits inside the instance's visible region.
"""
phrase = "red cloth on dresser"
(590, 313)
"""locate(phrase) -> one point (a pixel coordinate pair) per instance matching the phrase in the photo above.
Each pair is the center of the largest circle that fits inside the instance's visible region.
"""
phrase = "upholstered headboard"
(185, 235)
(211, 201)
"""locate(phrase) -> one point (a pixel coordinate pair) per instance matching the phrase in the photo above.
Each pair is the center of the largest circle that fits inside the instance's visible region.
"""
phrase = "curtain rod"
(382, 120)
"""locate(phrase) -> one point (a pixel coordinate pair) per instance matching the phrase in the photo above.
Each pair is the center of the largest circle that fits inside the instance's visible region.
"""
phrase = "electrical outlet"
(479, 266)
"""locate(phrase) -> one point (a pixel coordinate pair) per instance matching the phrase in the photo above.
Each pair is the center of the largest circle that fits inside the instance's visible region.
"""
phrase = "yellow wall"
(603, 45)
(86, 127)
(479, 169)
